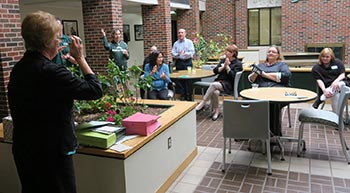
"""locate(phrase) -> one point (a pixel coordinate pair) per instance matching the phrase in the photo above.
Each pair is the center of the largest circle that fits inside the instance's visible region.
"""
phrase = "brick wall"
(97, 14)
(219, 18)
(313, 21)
(11, 47)
(157, 27)
(189, 19)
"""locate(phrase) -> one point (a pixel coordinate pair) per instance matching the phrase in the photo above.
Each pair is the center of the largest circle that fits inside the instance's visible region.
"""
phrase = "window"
(338, 48)
(264, 26)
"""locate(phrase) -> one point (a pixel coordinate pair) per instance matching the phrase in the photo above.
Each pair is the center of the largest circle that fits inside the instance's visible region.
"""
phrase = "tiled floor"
(322, 168)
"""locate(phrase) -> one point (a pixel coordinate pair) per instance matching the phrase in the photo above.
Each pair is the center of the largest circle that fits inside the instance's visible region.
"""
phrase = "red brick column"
(189, 19)
(11, 47)
(157, 27)
(97, 14)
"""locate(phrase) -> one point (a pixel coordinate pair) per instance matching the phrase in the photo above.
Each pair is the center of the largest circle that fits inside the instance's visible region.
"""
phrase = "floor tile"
(321, 168)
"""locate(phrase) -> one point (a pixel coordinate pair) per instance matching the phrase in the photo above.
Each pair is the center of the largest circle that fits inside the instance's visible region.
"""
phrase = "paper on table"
(298, 97)
(183, 76)
(107, 129)
(120, 147)
(92, 124)
(125, 138)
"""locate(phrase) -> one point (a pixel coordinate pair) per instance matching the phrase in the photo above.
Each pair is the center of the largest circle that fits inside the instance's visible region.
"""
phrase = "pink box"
(140, 124)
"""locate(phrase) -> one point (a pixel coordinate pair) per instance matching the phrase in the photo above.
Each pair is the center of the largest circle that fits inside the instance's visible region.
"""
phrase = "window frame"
(259, 23)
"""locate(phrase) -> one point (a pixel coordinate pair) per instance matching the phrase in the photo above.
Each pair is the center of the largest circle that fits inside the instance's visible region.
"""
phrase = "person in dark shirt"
(226, 70)
(41, 95)
(329, 73)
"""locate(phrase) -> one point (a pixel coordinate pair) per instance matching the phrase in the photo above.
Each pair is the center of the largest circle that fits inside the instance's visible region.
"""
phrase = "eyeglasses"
(272, 51)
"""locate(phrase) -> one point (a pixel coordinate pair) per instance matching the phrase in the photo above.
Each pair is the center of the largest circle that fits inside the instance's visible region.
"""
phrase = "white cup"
(255, 86)
(189, 69)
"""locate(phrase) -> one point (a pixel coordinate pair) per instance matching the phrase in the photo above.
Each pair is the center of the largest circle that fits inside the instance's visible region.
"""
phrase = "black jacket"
(227, 79)
(41, 96)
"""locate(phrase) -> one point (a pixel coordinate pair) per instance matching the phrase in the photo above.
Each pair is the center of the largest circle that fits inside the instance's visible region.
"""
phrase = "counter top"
(176, 110)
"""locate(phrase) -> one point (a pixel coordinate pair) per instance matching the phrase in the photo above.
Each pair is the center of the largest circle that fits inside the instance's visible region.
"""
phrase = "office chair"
(327, 118)
(240, 121)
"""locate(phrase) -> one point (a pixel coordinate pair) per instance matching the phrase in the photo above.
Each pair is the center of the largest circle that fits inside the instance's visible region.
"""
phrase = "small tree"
(121, 94)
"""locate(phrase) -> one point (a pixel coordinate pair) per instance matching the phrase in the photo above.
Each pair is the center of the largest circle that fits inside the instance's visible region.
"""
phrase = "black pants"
(155, 94)
(183, 84)
(42, 173)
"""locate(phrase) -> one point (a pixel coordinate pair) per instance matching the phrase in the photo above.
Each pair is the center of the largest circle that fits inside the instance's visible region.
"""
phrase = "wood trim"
(177, 172)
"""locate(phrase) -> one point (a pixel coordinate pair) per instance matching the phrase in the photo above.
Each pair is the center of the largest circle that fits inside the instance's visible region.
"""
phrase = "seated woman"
(226, 71)
(160, 74)
(272, 73)
(329, 73)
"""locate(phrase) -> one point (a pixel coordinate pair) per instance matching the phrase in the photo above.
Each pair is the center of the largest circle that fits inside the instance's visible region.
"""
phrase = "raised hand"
(103, 32)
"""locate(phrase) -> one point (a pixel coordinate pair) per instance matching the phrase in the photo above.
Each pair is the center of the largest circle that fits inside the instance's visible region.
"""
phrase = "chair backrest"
(208, 67)
(235, 85)
(171, 90)
(246, 119)
(343, 102)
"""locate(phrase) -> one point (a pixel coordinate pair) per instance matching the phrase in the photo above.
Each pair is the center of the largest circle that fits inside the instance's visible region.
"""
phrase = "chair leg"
(281, 147)
(301, 130)
(229, 147)
(269, 170)
(344, 145)
(224, 156)
(288, 109)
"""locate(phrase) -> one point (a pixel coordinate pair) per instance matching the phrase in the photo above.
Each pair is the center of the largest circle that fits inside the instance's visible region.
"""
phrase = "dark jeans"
(42, 173)
(155, 94)
(183, 84)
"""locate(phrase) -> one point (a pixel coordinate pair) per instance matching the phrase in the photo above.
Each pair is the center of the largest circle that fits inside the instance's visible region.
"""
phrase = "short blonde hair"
(39, 29)
(324, 52)
(233, 49)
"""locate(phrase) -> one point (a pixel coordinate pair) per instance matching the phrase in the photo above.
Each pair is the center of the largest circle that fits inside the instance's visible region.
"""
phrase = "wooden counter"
(150, 166)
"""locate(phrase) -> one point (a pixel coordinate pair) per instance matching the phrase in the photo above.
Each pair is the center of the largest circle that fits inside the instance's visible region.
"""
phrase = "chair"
(235, 86)
(327, 118)
(204, 82)
(171, 91)
(240, 122)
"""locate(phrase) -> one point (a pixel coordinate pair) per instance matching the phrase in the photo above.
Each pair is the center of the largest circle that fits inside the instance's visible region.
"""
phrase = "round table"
(279, 94)
(278, 98)
(191, 76)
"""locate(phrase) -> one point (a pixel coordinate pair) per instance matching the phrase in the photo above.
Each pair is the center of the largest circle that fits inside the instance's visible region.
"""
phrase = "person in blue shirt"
(159, 71)
(118, 49)
(183, 52)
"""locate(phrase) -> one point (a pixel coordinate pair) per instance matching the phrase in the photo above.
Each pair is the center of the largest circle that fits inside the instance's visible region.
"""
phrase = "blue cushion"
(319, 116)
